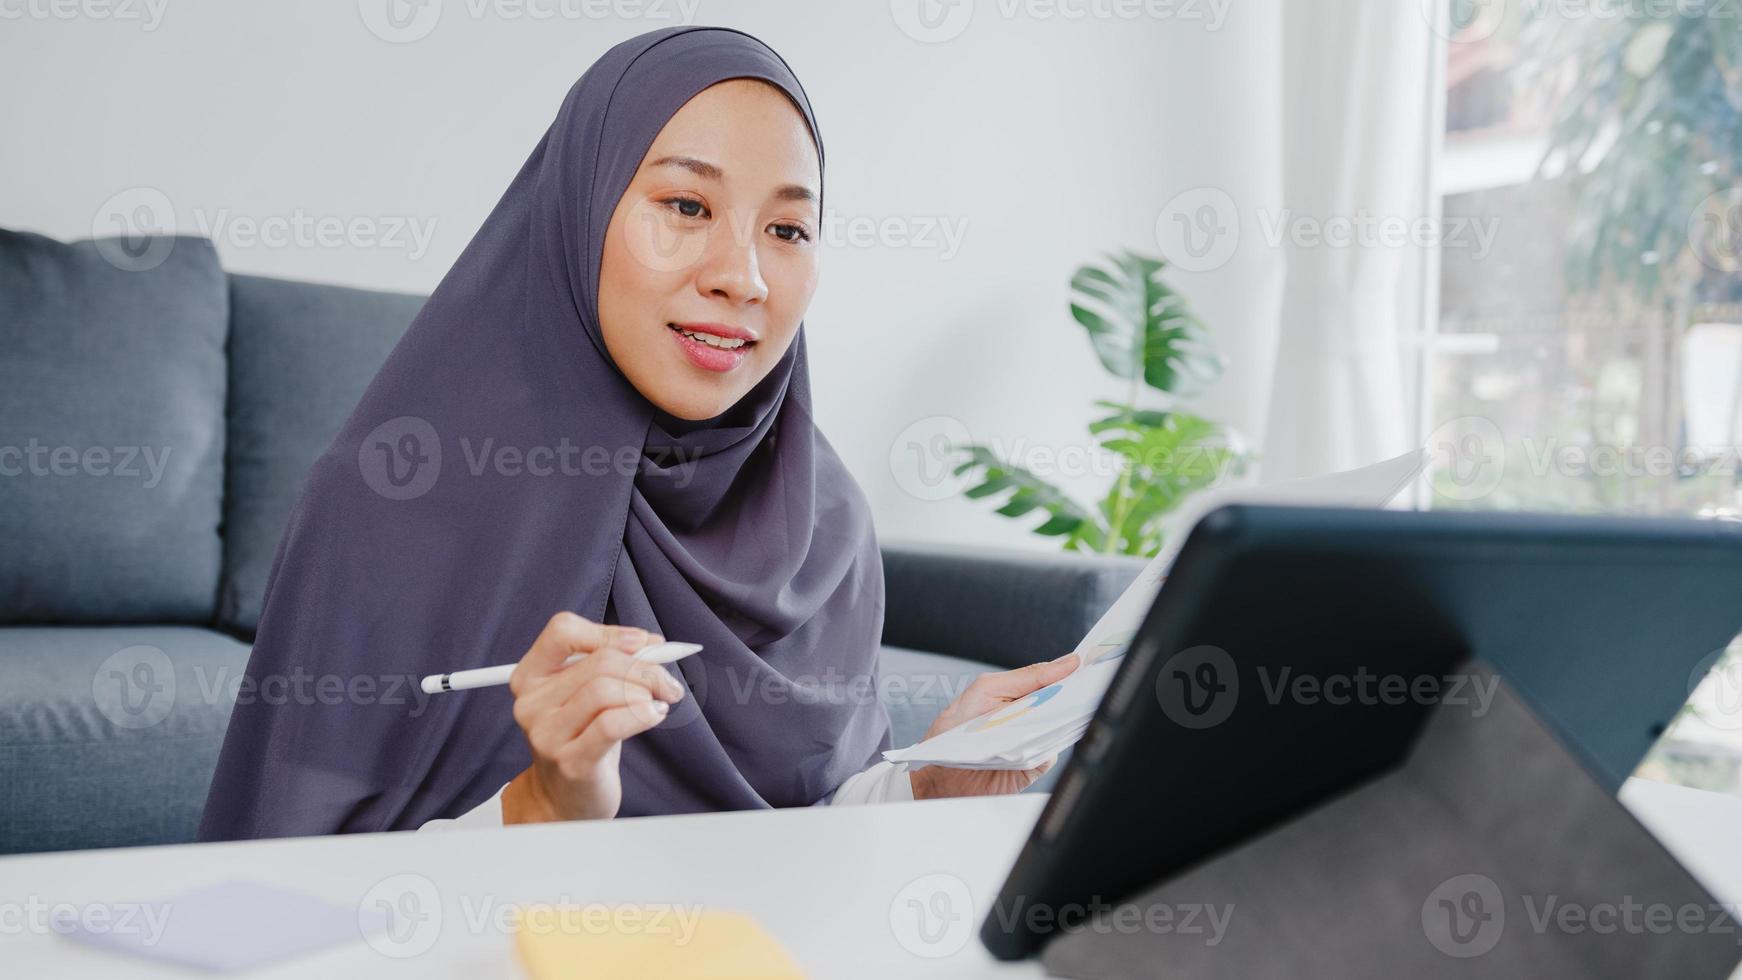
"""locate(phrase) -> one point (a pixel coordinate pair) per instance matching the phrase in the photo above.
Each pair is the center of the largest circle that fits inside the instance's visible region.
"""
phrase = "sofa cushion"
(1005, 607)
(92, 715)
(916, 685)
(300, 356)
(111, 429)
(109, 734)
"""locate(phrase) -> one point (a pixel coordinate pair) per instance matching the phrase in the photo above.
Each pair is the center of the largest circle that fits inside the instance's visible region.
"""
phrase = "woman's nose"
(730, 270)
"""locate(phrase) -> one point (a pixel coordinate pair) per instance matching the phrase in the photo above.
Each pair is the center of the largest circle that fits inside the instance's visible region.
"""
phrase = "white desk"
(822, 880)
(1703, 830)
(831, 883)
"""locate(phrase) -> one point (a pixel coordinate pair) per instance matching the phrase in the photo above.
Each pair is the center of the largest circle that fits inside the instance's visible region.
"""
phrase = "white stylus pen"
(465, 680)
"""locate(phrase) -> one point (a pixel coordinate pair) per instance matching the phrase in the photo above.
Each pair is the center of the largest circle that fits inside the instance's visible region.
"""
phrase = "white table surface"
(822, 880)
(1703, 830)
(837, 886)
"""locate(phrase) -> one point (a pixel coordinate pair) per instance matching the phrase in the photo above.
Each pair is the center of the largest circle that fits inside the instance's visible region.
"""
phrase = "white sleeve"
(885, 782)
(485, 814)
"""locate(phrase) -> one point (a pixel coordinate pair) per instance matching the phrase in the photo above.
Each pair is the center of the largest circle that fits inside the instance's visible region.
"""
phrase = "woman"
(597, 433)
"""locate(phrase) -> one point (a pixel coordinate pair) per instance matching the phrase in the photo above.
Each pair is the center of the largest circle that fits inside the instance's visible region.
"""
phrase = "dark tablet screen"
(1295, 653)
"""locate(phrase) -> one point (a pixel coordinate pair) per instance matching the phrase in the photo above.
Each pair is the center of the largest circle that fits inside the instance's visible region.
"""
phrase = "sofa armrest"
(1003, 607)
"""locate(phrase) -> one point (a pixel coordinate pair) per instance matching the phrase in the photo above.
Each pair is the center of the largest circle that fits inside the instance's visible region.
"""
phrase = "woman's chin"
(703, 399)
(696, 394)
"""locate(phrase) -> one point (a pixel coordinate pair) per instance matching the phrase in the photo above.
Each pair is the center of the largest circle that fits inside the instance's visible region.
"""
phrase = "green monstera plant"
(1143, 333)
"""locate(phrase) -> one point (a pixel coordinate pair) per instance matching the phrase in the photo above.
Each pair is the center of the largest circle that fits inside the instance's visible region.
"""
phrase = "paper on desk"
(1030, 730)
(231, 925)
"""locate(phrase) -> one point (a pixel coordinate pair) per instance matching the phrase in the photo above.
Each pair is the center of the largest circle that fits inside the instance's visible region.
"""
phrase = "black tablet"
(1295, 653)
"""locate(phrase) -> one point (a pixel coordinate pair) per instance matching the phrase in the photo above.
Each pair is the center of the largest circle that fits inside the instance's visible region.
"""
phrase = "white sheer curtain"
(1320, 308)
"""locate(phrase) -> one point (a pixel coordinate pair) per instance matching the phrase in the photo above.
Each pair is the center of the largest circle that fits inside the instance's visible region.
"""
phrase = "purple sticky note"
(232, 925)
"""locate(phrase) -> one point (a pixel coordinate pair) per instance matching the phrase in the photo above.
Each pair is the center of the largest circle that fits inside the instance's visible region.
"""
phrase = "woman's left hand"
(988, 692)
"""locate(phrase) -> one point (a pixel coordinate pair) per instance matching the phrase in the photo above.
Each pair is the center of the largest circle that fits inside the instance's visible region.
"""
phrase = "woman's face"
(710, 258)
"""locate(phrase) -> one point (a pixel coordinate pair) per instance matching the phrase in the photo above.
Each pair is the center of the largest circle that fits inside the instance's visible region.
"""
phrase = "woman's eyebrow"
(701, 168)
(707, 171)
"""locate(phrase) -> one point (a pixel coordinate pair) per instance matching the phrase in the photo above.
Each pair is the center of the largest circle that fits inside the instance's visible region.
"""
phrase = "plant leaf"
(1126, 417)
(1028, 493)
(1140, 327)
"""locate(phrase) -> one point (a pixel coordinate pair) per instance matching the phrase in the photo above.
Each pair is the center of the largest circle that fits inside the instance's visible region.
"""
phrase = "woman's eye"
(791, 233)
(689, 207)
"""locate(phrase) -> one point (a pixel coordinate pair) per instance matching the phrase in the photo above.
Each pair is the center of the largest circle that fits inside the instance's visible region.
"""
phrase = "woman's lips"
(706, 356)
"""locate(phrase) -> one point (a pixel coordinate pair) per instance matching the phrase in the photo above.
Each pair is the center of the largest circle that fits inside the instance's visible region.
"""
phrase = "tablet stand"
(1489, 853)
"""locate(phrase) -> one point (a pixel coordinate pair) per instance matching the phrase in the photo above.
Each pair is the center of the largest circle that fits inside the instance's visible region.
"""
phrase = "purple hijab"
(500, 469)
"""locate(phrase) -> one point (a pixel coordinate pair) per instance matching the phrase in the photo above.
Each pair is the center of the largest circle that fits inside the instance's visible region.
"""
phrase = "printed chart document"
(1030, 730)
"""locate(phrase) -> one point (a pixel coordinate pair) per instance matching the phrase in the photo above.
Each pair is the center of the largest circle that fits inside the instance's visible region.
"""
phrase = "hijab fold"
(500, 469)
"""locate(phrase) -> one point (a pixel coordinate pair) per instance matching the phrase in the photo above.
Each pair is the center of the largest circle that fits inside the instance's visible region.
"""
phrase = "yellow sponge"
(572, 942)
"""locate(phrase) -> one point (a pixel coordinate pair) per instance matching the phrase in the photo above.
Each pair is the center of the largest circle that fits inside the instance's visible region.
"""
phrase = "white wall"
(1049, 139)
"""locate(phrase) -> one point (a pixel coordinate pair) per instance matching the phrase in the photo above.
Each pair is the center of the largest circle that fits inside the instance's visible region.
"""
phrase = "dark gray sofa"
(156, 419)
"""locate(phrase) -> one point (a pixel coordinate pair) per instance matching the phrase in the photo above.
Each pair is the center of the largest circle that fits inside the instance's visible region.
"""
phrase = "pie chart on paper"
(1014, 710)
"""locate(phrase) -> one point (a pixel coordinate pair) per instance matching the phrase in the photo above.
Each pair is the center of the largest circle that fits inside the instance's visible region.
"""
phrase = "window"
(1588, 356)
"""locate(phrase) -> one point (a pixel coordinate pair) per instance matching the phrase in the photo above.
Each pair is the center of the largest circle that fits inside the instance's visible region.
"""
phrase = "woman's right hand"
(575, 718)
